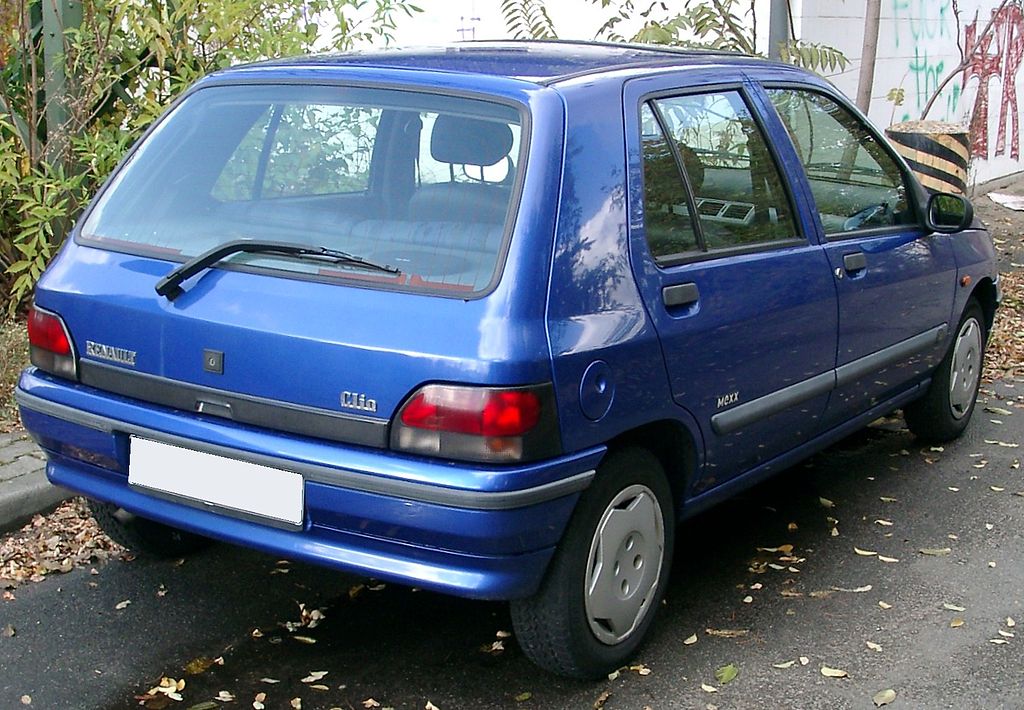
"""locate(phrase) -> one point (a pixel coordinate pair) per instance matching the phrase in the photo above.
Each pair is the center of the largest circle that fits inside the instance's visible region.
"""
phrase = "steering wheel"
(866, 216)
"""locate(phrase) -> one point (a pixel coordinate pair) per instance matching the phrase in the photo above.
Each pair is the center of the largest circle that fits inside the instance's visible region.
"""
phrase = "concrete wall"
(919, 43)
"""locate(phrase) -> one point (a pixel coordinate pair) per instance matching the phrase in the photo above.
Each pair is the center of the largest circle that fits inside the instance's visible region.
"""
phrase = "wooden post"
(867, 55)
(58, 16)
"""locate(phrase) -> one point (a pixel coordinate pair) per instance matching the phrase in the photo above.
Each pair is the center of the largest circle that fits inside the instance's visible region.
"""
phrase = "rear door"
(743, 302)
(896, 282)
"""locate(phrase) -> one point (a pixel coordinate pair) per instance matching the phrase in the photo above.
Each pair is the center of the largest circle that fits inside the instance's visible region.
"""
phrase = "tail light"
(487, 424)
(50, 347)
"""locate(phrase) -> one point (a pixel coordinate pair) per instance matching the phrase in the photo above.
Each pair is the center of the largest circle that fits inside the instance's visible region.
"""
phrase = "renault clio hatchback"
(491, 319)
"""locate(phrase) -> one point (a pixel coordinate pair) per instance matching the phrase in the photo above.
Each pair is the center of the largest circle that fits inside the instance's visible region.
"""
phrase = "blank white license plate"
(207, 478)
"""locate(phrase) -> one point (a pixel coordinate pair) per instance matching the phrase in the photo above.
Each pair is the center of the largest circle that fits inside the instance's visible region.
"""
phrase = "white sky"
(441, 20)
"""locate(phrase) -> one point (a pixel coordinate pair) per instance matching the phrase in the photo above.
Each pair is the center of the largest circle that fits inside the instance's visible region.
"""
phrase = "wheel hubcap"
(624, 565)
(965, 369)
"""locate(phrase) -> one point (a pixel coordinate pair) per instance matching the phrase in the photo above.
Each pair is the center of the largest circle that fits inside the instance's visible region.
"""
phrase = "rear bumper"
(462, 529)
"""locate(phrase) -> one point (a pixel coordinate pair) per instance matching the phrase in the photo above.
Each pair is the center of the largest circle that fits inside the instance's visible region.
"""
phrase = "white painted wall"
(919, 44)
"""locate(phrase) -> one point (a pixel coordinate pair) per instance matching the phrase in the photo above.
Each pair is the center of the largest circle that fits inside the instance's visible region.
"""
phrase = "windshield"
(420, 182)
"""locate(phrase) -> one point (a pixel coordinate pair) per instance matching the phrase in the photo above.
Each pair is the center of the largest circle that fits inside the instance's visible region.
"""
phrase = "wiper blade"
(170, 285)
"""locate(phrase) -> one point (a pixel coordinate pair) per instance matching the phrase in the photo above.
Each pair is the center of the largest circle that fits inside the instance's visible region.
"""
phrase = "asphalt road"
(74, 649)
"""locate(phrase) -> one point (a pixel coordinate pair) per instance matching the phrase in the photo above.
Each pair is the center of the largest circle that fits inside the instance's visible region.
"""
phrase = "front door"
(896, 282)
(744, 304)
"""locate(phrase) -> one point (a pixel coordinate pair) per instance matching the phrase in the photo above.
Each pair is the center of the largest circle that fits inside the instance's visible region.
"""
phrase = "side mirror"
(948, 213)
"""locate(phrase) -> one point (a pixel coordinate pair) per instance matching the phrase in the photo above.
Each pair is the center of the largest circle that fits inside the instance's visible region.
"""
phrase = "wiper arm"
(170, 285)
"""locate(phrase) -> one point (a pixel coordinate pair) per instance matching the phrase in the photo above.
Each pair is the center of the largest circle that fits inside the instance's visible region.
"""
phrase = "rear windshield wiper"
(170, 285)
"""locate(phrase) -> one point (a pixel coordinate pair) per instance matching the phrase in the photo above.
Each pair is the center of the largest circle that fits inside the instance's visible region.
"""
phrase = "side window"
(667, 220)
(738, 193)
(319, 149)
(856, 183)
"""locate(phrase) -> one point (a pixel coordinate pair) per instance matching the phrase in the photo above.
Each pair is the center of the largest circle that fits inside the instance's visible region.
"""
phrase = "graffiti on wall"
(997, 55)
(921, 25)
(927, 29)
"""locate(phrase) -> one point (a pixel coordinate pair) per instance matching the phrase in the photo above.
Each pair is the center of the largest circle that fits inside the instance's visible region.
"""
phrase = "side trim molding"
(366, 483)
(774, 402)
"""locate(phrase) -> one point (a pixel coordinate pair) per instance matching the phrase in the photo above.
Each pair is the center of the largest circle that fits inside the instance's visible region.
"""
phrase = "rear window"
(419, 182)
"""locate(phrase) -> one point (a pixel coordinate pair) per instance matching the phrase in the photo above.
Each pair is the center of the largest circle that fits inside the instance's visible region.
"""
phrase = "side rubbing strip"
(852, 371)
(738, 417)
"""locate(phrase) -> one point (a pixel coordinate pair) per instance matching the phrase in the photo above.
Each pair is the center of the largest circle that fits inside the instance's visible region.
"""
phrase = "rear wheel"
(946, 408)
(142, 535)
(608, 575)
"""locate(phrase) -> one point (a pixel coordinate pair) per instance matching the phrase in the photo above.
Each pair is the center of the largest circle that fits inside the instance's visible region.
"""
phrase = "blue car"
(492, 319)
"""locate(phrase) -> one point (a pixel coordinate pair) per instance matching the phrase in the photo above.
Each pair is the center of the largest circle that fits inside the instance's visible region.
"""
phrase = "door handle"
(680, 295)
(856, 261)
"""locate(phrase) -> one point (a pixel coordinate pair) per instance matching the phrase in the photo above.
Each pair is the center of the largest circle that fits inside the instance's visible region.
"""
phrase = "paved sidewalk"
(24, 490)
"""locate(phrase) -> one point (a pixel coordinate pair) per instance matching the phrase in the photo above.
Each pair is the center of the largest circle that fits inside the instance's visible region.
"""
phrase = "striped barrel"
(936, 151)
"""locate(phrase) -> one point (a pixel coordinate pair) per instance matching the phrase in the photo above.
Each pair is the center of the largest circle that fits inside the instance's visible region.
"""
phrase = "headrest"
(469, 141)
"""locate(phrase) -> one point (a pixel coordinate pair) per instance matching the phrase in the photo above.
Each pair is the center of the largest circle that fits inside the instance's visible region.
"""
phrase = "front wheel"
(945, 410)
(608, 575)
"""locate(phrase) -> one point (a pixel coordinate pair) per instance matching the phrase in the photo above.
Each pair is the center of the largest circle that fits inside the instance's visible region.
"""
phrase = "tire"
(144, 536)
(569, 631)
(944, 411)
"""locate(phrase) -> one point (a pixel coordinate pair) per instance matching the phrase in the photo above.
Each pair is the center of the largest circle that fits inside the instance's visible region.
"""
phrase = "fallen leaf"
(1006, 634)
(640, 669)
(602, 699)
(883, 522)
(953, 488)
(523, 697)
(935, 551)
(884, 697)
(205, 705)
(865, 553)
(1010, 622)
(748, 599)
(886, 499)
(727, 633)
(503, 634)
(430, 706)
(304, 639)
(319, 686)
(296, 703)
(833, 672)
(198, 665)
(956, 623)
(883, 558)
(952, 607)
(874, 646)
(708, 688)
(999, 410)
(784, 664)
(826, 503)
(26, 699)
(804, 660)
(123, 604)
(314, 676)
(998, 642)
(727, 674)
(8, 631)
(690, 640)
(271, 681)
(856, 590)
(370, 703)
(884, 605)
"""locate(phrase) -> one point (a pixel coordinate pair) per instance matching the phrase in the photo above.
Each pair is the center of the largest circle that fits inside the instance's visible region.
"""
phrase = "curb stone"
(24, 489)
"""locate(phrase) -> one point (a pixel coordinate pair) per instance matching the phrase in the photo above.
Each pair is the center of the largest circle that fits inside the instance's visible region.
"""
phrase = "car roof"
(538, 61)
